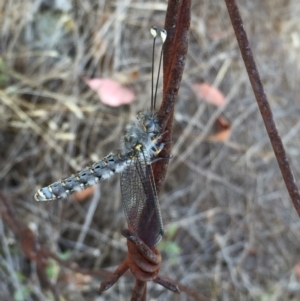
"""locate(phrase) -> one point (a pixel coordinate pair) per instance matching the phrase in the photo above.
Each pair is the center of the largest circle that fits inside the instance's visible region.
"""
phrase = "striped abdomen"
(89, 176)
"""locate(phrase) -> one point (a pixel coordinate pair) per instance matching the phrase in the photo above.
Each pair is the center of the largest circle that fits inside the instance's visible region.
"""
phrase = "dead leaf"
(82, 195)
(297, 270)
(223, 130)
(222, 123)
(110, 92)
(209, 93)
(221, 136)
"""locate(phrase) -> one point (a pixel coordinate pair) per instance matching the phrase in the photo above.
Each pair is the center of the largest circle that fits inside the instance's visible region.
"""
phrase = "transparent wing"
(140, 201)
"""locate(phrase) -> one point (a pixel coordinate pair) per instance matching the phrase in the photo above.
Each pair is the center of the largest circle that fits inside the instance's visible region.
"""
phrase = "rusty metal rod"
(263, 103)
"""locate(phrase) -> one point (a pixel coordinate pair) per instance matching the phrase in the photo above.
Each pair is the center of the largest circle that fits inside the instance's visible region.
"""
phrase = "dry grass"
(224, 205)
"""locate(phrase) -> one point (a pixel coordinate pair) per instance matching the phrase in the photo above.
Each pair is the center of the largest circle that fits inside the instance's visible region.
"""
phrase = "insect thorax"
(141, 141)
(145, 133)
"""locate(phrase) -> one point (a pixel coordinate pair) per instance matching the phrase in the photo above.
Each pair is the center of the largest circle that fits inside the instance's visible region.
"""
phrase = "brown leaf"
(221, 136)
(82, 195)
(110, 92)
(209, 93)
(297, 270)
(223, 130)
(222, 123)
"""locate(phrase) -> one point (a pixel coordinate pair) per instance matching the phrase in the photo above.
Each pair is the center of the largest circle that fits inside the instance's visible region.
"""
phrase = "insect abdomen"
(89, 176)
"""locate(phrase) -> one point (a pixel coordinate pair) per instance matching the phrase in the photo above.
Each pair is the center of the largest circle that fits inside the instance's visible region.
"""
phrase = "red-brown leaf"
(209, 93)
(110, 92)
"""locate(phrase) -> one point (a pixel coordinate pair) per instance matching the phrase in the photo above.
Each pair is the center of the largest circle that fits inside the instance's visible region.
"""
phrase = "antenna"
(153, 31)
(163, 35)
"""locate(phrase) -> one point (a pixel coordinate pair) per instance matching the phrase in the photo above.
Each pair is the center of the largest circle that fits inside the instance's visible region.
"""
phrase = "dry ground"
(231, 230)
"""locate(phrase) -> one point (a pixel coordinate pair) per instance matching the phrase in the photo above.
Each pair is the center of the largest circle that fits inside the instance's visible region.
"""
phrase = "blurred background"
(231, 232)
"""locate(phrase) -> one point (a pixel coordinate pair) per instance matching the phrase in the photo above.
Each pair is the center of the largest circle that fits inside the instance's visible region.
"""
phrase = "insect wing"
(140, 202)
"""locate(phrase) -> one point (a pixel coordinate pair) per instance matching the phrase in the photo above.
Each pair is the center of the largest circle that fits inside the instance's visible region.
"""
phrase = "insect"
(140, 146)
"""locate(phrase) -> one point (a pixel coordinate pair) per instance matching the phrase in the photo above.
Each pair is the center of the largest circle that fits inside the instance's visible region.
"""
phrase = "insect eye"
(150, 126)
